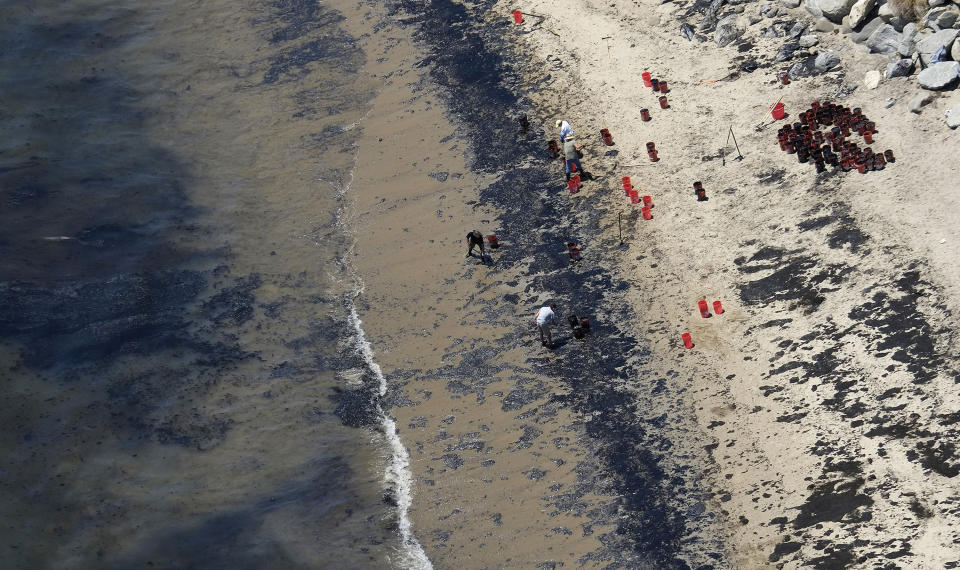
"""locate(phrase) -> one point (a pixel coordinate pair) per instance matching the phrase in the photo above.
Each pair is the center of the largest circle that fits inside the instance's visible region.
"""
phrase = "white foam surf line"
(397, 473)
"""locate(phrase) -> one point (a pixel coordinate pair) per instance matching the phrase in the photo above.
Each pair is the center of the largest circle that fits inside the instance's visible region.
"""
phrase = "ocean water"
(186, 382)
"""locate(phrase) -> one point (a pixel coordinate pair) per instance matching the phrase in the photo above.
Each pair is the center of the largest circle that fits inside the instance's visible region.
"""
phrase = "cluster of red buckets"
(658, 86)
(811, 145)
(635, 198)
(687, 338)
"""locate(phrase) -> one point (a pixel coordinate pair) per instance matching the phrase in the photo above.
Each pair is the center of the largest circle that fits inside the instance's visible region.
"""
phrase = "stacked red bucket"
(652, 151)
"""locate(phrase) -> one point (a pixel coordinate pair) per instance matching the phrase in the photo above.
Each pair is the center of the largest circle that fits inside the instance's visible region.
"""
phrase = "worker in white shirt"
(545, 318)
(565, 129)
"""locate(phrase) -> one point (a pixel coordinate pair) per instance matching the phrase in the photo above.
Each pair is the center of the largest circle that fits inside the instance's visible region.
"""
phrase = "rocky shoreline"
(917, 40)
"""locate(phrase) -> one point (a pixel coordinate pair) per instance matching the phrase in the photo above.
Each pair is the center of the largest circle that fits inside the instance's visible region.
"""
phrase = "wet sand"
(483, 463)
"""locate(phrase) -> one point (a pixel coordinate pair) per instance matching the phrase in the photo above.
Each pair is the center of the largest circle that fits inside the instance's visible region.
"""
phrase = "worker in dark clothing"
(571, 154)
(474, 239)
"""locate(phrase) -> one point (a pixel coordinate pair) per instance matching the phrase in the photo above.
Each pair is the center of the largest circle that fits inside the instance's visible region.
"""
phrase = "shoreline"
(396, 475)
(527, 428)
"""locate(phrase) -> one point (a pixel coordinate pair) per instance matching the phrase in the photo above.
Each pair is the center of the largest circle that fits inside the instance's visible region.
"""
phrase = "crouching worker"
(579, 325)
(475, 239)
(545, 318)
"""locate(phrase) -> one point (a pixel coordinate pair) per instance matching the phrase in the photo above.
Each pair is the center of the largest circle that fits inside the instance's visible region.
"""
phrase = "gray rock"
(890, 16)
(939, 76)
(955, 51)
(753, 19)
(953, 116)
(771, 32)
(908, 44)
(935, 3)
(686, 30)
(728, 29)
(797, 30)
(941, 18)
(809, 66)
(918, 101)
(872, 79)
(825, 61)
(790, 3)
(868, 29)
(835, 10)
(884, 40)
(786, 51)
(845, 26)
(859, 11)
(932, 42)
(846, 90)
(812, 7)
(823, 25)
(902, 68)
(808, 41)
(803, 68)
(772, 12)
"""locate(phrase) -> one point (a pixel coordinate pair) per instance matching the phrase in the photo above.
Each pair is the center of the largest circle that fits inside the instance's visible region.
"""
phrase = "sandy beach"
(812, 423)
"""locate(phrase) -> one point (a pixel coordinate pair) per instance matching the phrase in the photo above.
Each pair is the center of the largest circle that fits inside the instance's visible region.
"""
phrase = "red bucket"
(517, 17)
(778, 111)
(704, 311)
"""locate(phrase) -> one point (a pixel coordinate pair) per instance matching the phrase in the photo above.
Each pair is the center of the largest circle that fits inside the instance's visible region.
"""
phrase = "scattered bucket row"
(635, 198)
(574, 184)
(687, 338)
(658, 86)
(821, 148)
